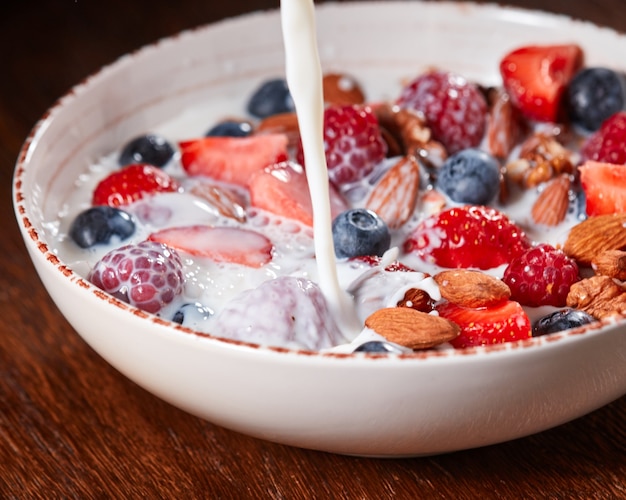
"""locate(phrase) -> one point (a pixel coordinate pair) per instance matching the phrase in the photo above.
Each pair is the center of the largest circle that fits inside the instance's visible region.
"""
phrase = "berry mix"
(450, 186)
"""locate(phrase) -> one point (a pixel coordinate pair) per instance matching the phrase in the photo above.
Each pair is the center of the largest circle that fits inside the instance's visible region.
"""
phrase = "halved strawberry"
(505, 322)
(222, 244)
(467, 237)
(232, 159)
(131, 184)
(283, 189)
(604, 185)
(536, 77)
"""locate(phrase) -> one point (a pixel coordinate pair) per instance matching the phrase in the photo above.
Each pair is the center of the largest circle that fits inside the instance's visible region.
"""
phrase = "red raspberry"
(467, 237)
(541, 276)
(352, 141)
(455, 109)
(132, 183)
(148, 275)
(607, 144)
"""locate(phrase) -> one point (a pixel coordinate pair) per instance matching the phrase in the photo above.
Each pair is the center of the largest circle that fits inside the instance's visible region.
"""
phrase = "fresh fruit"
(470, 176)
(604, 185)
(152, 149)
(147, 275)
(230, 128)
(375, 260)
(455, 109)
(270, 98)
(132, 183)
(593, 95)
(536, 78)
(97, 225)
(608, 144)
(298, 317)
(505, 322)
(353, 143)
(541, 276)
(467, 237)
(283, 189)
(221, 244)
(563, 319)
(359, 231)
(378, 346)
(232, 159)
(192, 314)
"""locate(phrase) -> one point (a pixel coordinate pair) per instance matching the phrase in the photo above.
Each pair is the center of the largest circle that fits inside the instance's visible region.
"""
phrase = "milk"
(304, 77)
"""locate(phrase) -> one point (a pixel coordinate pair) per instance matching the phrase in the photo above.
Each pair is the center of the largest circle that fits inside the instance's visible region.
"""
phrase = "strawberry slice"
(283, 189)
(536, 77)
(505, 322)
(221, 244)
(132, 183)
(232, 159)
(604, 185)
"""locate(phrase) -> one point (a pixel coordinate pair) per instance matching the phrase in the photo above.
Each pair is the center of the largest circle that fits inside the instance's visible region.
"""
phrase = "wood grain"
(72, 427)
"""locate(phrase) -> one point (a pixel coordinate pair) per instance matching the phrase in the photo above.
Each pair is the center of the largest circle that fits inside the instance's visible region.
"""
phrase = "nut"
(395, 195)
(611, 263)
(471, 289)
(282, 123)
(599, 296)
(340, 89)
(505, 126)
(409, 131)
(411, 328)
(417, 299)
(595, 235)
(541, 158)
(551, 205)
(227, 202)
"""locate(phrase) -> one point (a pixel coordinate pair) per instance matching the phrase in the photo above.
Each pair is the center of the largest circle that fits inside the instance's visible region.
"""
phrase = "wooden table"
(72, 427)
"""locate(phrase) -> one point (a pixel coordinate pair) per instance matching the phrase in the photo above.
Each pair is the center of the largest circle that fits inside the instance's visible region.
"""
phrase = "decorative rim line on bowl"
(39, 243)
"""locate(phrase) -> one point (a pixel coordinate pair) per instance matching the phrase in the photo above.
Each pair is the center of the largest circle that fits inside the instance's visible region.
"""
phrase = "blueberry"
(230, 128)
(271, 98)
(97, 225)
(378, 346)
(560, 320)
(593, 95)
(360, 232)
(470, 176)
(151, 148)
(192, 314)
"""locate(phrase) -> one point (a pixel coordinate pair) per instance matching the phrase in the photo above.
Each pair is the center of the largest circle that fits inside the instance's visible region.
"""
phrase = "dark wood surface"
(72, 427)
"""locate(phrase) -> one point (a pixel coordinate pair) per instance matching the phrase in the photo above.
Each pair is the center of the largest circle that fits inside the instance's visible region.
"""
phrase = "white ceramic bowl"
(395, 406)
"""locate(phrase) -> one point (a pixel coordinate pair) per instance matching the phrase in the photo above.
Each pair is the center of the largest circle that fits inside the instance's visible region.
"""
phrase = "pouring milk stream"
(304, 77)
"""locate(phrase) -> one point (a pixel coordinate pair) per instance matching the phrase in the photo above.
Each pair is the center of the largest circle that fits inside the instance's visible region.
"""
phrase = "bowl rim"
(40, 249)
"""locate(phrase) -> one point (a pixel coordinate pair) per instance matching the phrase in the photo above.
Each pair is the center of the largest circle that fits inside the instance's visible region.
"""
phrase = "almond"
(227, 202)
(595, 235)
(340, 89)
(411, 328)
(611, 263)
(417, 299)
(395, 195)
(505, 126)
(282, 123)
(551, 205)
(471, 288)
